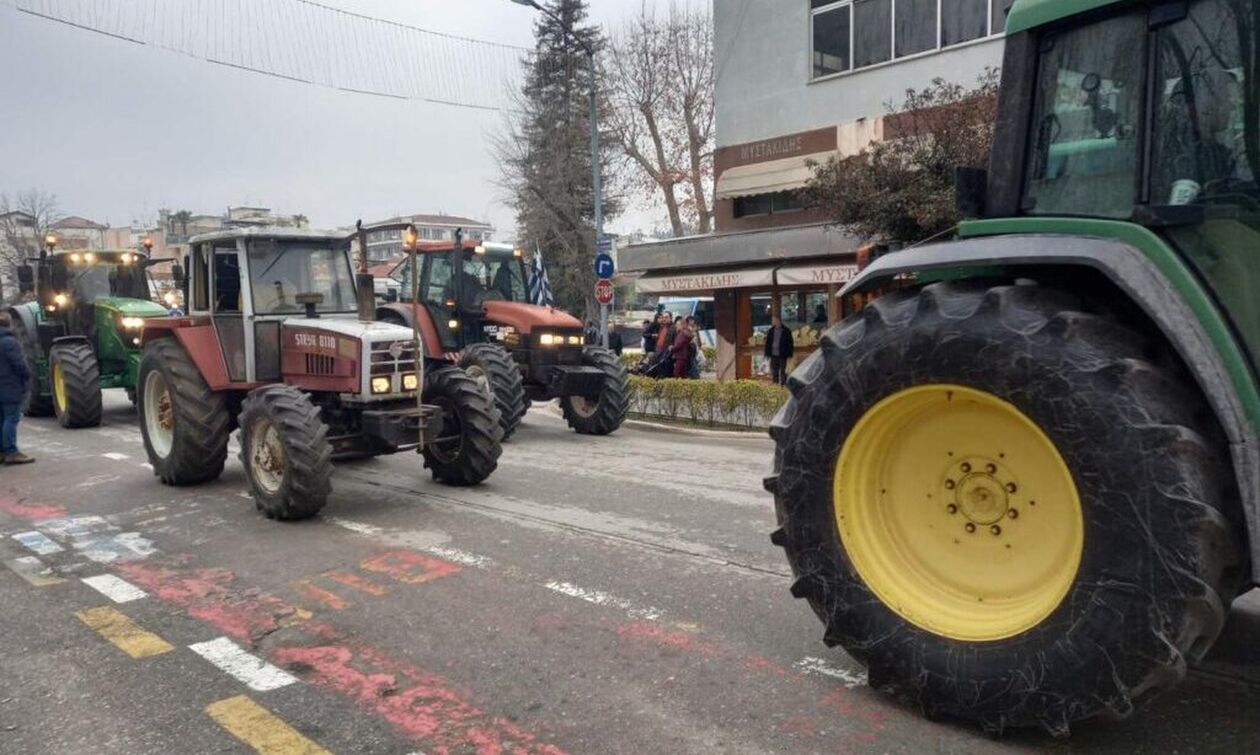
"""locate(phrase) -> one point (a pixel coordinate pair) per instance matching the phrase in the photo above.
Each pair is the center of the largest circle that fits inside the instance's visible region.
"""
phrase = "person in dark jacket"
(684, 349)
(649, 336)
(14, 377)
(591, 334)
(615, 344)
(779, 348)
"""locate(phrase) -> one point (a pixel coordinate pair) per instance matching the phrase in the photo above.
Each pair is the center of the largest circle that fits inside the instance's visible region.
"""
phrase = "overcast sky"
(118, 131)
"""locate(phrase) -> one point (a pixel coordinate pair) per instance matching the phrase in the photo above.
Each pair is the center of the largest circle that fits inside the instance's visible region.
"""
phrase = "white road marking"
(38, 542)
(359, 527)
(250, 670)
(415, 540)
(604, 599)
(114, 588)
(31, 569)
(115, 456)
(812, 665)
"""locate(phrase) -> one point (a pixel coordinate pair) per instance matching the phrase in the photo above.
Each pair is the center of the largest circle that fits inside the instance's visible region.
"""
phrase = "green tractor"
(81, 332)
(1024, 489)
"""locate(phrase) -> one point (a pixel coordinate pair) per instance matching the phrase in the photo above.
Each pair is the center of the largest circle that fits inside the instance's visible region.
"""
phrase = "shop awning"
(709, 280)
(818, 274)
(768, 177)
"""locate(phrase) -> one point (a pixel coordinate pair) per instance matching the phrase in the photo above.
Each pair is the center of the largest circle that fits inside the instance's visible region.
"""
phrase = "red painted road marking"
(645, 630)
(416, 702)
(358, 583)
(31, 511)
(321, 596)
(409, 567)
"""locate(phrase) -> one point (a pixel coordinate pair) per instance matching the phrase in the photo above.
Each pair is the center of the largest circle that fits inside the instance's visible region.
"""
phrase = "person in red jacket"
(684, 350)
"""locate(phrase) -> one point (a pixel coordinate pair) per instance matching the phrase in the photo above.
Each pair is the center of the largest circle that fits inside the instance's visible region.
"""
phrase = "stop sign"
(604, 292)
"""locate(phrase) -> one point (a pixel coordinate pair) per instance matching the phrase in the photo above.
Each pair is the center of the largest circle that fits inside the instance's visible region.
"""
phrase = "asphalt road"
(609, 595)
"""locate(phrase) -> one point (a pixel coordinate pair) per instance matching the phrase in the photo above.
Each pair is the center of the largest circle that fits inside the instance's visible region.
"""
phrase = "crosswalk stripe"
(260, 728)
(34, 571)
(38, 542)
(114, 588)
(126, 634)
(250, 670)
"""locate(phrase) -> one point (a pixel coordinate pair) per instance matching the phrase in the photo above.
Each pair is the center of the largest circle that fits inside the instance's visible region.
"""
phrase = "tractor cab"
(473, 293)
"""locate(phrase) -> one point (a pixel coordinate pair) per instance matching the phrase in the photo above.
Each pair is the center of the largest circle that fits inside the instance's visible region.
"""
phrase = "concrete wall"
(763, 84)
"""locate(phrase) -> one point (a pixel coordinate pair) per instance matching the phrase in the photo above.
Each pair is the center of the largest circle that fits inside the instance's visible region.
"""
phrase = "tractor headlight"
(381, 385)
(89, 258)
(410, 382)
(170, 298)
(550, 339)
(60, 300)
(126, 258)
(575, 340)
(133, 323)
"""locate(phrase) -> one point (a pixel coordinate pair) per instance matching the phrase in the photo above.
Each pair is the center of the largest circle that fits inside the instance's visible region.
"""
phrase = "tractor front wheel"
(998, 503)
(495, 372)
(286, 453)
(76, 384)
(468, 449)
(185, 425)
(605, 413)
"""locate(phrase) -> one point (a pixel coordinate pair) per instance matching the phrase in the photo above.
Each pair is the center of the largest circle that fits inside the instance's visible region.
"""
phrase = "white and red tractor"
(272, 344)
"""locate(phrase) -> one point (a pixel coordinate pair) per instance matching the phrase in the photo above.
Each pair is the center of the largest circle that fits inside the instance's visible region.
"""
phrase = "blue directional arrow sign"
(604, 266)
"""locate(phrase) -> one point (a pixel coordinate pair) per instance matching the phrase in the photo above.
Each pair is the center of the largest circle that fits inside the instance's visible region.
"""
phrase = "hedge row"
(745, 403)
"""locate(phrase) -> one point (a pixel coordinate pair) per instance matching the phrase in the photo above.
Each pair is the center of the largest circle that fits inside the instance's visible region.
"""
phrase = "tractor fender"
(1135, 274)
(406, 314)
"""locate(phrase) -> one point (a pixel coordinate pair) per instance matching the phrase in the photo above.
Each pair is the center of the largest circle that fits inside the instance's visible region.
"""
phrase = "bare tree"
(657, 80)
(25, 219)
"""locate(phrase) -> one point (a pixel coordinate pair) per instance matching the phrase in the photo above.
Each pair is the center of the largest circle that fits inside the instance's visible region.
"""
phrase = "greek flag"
(539, 286)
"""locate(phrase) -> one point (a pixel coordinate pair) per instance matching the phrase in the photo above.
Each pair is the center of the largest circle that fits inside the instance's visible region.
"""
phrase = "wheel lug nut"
(990, 468)
(952, 508)
(965, 466)
(1013, 513)
(970, 527)
(949, 484)
(996, 530)
(1011, 487)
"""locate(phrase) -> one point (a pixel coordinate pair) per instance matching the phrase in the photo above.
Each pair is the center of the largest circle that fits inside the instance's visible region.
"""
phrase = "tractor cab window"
(494, 276)
(227, 280)
(1086, 118)
(95, 275)
(282, 271)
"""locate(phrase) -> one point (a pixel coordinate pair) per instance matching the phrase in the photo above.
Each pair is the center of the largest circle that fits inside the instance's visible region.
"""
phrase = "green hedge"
(745, 403)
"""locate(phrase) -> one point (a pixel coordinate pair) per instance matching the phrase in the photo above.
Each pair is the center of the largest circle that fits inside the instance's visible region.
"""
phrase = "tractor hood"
(368, 331)
(130, 307)
(526, 317)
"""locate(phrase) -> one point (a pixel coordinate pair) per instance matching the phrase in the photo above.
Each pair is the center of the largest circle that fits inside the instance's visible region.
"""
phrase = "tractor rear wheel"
(495, 372)
(185, 425)
(286, 453)
(76, 384)
(468, 449)
(606, 413)
(37, 404)
(999, 504)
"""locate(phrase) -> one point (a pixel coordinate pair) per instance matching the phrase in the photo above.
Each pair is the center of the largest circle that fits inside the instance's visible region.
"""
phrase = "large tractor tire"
(286, 453)
(605, 414)
(36, 403)
(468, 449)
(1003, 507)
(75, 376)
(495, 372)
(185, 425)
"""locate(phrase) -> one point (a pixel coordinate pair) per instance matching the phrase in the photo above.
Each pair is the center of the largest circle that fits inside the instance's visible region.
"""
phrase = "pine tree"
(545, 155)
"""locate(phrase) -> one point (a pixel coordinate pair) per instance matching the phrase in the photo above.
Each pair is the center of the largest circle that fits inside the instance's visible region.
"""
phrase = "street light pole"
(596, 177)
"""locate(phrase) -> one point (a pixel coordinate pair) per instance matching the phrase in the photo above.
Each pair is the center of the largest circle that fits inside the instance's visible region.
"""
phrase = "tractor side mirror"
(26, 279)
(971, 188)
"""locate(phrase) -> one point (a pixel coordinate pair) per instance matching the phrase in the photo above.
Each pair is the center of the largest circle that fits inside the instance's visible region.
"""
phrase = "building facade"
(799, 82)
(386, 245)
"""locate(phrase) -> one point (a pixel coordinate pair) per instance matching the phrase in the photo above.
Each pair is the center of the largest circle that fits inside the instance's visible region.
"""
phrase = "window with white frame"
(851, 34)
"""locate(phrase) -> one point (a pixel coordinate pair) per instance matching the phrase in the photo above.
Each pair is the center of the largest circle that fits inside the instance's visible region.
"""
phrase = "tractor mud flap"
(586, 382)
(399, 429)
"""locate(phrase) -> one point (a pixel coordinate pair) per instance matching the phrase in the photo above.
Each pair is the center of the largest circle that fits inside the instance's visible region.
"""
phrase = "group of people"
(671, 347)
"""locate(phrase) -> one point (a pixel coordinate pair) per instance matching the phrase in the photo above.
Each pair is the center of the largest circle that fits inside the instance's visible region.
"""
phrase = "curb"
(660, 427)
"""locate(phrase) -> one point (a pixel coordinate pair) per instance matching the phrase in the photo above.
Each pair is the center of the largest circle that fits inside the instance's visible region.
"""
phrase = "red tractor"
(474, 309)
(272, 344)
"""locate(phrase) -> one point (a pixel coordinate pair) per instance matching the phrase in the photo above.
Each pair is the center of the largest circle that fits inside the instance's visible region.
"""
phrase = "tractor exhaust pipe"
(364, 283)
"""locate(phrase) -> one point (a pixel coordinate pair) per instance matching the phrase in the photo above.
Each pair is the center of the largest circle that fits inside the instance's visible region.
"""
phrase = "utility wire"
(308, 42)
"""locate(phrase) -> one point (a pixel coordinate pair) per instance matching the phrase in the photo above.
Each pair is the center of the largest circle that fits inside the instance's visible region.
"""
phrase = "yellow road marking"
(129, 636)
(260, 728)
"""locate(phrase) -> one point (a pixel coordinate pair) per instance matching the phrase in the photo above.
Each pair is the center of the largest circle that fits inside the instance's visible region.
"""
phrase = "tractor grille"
(385, 363)
(318, 364)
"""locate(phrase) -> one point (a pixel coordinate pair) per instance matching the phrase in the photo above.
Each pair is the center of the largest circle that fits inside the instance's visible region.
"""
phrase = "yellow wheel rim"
(958, 512)
(59, 386)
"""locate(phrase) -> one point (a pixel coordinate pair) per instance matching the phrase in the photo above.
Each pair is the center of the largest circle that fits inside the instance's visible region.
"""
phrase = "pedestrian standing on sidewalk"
(14, 377)
(779, 348)
(683, 351)
(697, 349)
